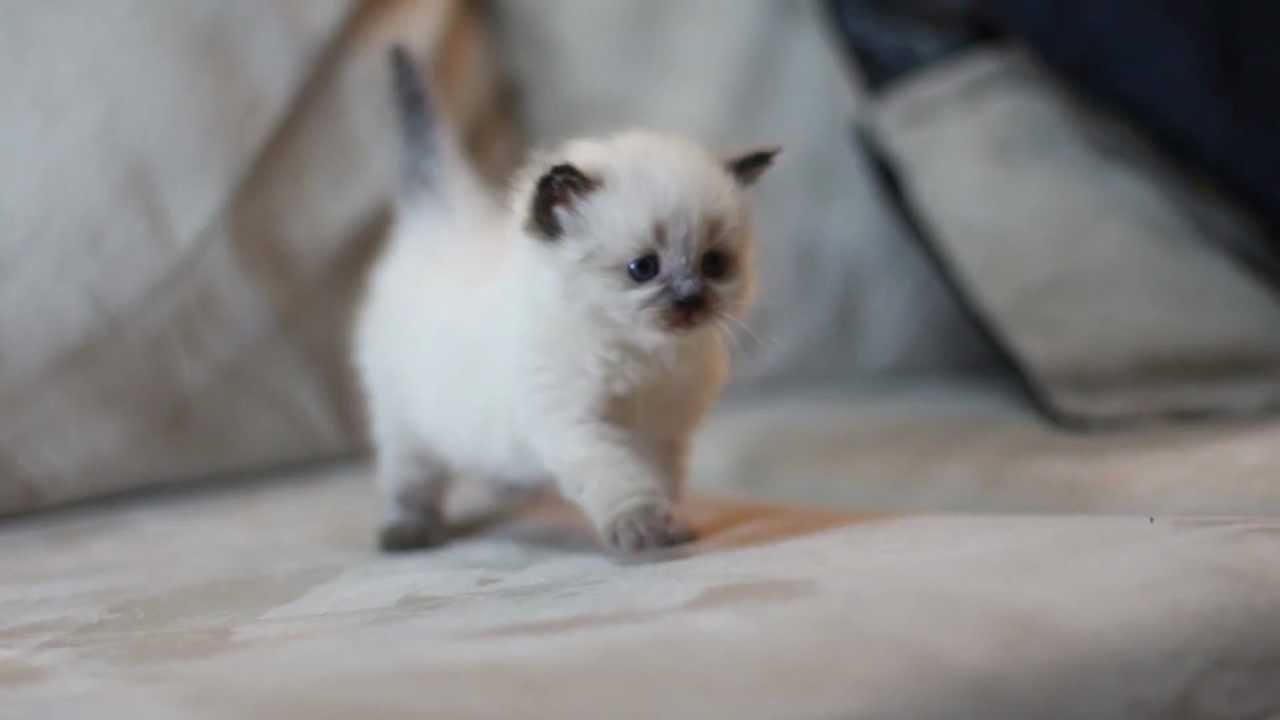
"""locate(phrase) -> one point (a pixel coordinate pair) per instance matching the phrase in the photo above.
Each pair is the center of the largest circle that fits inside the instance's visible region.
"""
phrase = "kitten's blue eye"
(644, 268)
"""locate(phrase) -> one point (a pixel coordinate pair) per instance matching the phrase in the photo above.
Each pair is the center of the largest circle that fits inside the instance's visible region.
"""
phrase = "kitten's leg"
(623, 493)
(672, 457)
(412, 486)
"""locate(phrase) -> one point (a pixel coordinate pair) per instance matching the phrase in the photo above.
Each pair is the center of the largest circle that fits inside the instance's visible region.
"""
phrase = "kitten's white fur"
(490, 353)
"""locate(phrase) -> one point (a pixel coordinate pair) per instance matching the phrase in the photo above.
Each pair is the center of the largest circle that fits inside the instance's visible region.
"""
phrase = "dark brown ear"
(749, 166)
(557, 190)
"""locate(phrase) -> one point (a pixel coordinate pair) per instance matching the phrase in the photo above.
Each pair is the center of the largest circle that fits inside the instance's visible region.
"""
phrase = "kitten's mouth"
(684, 318)
(688, 308)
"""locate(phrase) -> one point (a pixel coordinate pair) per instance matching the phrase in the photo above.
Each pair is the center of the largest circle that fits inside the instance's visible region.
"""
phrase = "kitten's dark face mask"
(691, 283)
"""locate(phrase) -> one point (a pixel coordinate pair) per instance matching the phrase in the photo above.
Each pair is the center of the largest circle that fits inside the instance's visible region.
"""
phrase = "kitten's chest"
(669, 400)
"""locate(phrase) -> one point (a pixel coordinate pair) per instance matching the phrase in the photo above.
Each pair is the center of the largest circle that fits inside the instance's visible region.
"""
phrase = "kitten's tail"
(420, 148)
(432, 166)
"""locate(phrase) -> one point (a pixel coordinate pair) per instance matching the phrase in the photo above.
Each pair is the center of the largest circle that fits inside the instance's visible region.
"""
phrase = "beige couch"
(196, 192)
(268, 601)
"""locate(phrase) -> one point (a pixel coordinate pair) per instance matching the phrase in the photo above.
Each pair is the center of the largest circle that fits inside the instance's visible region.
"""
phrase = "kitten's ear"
(747, 167)
(556, 192)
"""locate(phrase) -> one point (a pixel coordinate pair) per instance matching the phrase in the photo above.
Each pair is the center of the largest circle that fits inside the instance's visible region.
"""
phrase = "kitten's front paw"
(416, 534)
(645, 527)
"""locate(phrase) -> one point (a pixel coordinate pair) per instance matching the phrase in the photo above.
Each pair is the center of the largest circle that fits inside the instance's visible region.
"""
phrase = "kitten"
(571, 338)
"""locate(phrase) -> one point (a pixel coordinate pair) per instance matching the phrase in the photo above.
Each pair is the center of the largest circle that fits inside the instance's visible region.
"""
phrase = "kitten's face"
(651, 234)
(675, 276)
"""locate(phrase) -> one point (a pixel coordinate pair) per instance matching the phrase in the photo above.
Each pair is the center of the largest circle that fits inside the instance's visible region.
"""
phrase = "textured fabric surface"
(978, 448)
(129, 291)
(268, 602)
(1098, 264)
(189, 197)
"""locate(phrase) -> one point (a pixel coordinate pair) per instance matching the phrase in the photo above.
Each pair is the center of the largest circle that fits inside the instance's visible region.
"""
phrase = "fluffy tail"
(420, 142)
(434, 171)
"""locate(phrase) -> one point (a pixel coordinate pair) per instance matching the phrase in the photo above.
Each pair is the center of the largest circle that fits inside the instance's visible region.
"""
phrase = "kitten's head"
(646, 231)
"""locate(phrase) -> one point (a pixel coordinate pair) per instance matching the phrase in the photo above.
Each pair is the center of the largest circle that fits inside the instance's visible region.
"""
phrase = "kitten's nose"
(690, 302)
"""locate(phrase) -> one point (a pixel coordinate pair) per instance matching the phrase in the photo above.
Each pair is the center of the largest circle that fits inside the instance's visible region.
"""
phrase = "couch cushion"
(269, 601)
(1094, 260)
(191, 197)
(976, 447)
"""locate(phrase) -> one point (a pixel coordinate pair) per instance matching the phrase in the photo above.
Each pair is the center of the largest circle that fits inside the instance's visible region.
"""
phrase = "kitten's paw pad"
(643, 528)
(403, 536)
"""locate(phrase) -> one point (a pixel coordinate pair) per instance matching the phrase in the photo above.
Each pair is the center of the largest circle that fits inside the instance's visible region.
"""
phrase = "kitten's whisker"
(724, 330)
(755, 337)
(727, 332)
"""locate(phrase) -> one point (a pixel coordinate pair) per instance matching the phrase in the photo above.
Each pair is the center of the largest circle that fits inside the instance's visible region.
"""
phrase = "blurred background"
(1020, 255)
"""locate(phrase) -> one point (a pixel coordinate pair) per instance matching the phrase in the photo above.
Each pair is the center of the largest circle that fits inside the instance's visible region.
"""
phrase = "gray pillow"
(1093, 261)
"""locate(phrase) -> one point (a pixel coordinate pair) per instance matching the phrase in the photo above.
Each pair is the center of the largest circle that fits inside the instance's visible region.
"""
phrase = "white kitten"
(572, 338)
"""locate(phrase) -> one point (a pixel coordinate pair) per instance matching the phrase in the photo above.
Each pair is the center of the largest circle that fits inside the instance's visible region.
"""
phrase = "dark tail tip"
(414, 106)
